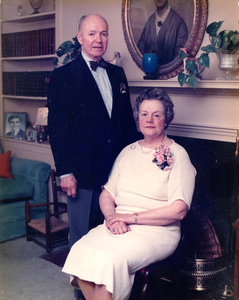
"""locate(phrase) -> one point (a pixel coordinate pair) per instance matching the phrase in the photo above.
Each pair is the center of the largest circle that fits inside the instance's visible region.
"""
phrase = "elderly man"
(90, 121)
(164, 33)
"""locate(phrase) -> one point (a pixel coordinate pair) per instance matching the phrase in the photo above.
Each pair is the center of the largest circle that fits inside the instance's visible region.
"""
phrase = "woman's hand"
(111, 219)
(119, 228)
(161, 216)
(116, 224)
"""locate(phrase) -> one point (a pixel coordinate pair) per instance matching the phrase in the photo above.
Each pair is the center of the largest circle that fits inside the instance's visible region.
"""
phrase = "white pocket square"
(122, 88)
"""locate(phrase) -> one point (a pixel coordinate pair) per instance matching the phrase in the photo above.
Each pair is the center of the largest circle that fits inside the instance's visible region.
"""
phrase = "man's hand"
(68, 185)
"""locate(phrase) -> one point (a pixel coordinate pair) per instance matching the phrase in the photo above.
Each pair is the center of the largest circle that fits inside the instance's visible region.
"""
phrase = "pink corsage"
(163, 158)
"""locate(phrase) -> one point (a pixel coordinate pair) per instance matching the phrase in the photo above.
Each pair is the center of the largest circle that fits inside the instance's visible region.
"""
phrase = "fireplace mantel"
(173, 84)
(208, 112)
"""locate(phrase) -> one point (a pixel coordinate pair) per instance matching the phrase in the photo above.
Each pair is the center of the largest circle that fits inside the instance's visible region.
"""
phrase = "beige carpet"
(26, 276)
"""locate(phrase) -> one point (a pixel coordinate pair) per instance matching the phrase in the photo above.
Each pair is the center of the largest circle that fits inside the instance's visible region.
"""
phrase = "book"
(29, 43)
(31, 84)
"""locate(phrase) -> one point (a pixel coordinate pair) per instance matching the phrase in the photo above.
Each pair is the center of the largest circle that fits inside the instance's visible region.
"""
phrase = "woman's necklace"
(147, 152)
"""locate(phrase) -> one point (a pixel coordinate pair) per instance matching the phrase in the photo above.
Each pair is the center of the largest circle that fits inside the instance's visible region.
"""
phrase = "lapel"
(89, 85)
(114, 81)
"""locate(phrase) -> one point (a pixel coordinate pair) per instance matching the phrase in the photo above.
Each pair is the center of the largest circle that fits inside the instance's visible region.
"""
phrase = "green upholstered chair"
(30, 182)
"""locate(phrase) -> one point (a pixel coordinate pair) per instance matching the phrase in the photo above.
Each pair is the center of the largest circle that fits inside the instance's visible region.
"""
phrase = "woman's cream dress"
(137, 184)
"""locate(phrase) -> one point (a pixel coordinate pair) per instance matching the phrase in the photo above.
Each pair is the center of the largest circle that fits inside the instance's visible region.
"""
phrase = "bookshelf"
(28, 43)
(27, 51)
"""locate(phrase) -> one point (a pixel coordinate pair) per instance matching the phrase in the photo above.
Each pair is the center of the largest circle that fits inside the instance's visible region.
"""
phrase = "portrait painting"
(15, 125)
(164, 27)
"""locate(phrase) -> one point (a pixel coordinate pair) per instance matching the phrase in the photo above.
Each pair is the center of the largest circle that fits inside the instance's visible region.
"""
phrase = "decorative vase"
(150, 65)
(229, 61)
(36, 4)
(19, 10)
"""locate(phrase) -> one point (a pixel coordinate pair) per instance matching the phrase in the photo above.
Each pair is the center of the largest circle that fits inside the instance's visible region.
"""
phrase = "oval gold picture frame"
(199, 17)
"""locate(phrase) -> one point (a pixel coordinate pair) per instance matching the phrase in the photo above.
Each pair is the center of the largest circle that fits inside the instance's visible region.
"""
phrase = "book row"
(29, 43)
(26, 83)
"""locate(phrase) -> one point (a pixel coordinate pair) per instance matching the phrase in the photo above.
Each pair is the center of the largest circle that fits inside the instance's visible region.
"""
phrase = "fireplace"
(211, 252)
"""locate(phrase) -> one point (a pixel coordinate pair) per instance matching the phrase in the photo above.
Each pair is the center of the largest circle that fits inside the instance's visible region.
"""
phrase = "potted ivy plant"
(224, 42)
(69, 49)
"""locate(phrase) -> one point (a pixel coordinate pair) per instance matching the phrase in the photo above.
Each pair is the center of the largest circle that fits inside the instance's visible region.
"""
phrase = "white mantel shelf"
(31, 18)
(202, 84)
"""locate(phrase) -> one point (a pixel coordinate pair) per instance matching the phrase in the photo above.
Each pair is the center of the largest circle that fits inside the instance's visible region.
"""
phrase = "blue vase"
(150, 65)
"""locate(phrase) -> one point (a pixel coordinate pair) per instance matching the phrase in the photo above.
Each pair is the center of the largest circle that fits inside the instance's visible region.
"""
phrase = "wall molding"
(216, 133)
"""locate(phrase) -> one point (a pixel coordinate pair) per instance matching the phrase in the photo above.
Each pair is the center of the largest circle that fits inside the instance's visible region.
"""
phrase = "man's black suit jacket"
(83, 138)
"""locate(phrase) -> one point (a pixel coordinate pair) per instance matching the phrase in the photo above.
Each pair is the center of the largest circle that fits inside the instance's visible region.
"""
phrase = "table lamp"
(41, 121)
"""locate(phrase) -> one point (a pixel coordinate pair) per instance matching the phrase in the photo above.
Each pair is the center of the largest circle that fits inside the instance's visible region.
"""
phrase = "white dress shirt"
(162, 19)
(103, 82)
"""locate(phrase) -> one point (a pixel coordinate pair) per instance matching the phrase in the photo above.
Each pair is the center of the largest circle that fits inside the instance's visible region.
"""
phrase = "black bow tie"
(159, 23)
(95, 64)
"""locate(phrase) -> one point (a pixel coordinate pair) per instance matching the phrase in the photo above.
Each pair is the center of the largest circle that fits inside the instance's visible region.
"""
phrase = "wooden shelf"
(44, 144)
(25, 98)
(32, 18)
(50, 56)
(203, 84)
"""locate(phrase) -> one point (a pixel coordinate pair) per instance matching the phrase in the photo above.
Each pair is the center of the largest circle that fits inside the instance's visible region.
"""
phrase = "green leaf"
(60, 52)
(227, 35)
(216, 41)
(192, 81)
(226, 38)
(230, 47)
(235, 39)
(55, 61)
(182, 79)
(182, 54)
(66, 45)
(213, 28)
(209, 49)
(191, 65)
(76, 43)
(64, 48)
(195, 67)
(66, 59)
(204, 60)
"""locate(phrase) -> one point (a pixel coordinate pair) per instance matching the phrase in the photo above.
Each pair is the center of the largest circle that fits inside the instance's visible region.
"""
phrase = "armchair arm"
(30, 169)
(61, 205)
(36, 172)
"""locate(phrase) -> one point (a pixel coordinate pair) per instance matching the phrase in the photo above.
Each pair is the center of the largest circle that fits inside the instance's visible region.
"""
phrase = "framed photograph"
(15, 125)
(182, 25)
(31, 135)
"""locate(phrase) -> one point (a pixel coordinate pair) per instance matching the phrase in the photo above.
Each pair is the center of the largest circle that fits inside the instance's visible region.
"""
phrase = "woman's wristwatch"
(135, 217)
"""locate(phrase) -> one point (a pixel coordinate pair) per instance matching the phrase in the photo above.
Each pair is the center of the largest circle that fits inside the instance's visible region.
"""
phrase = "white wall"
(72, 10)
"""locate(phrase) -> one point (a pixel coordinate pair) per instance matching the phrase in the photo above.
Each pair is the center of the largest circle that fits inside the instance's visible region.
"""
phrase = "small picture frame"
(15, 125)
(31, 135)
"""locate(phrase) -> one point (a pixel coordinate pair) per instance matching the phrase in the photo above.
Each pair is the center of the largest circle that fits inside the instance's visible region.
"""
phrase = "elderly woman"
(148, 193)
